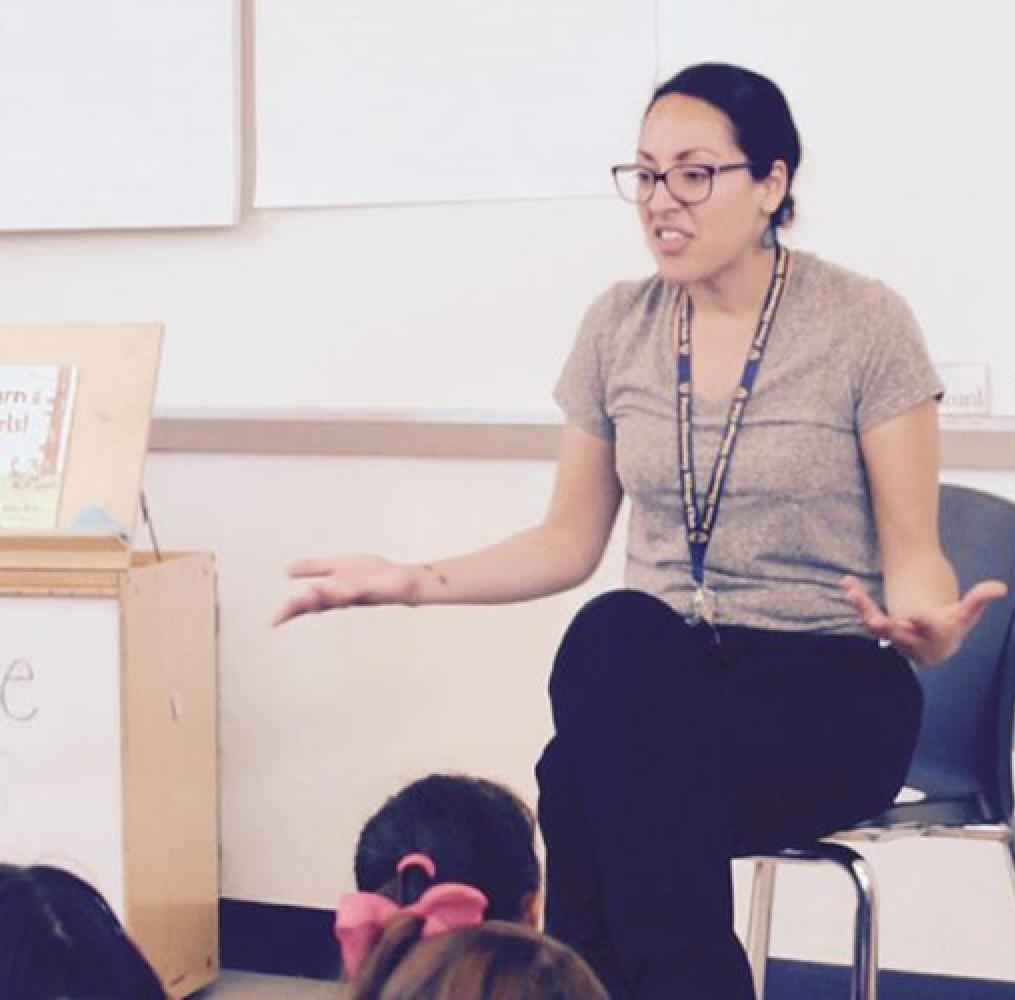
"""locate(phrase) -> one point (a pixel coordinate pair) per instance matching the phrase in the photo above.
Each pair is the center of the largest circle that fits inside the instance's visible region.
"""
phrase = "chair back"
(964, 749)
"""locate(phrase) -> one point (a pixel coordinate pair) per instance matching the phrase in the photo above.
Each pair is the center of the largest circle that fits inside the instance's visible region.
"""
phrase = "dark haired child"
(439, 832)
(59, 938)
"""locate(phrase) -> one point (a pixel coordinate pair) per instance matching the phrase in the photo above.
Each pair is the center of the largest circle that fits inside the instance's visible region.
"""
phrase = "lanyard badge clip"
(704, 607)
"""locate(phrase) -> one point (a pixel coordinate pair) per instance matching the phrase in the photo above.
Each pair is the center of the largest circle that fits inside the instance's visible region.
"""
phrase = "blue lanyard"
(699, 524)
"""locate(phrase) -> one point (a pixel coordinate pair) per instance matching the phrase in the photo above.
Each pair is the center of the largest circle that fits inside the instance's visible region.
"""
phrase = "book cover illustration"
(36, 405)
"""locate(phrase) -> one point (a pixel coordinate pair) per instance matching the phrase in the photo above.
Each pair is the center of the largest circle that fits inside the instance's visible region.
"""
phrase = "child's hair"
(489, 961)
(475, 832)
(59, 938)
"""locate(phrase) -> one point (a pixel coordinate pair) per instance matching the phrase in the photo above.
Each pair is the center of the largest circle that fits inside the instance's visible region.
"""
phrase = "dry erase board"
(118, 114)
(446, 100)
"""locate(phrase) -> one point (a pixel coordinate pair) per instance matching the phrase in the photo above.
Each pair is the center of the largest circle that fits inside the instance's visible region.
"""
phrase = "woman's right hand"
(552, 556)
(348, 580)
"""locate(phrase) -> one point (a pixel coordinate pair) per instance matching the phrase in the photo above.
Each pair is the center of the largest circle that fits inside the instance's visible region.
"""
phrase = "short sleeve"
(895, 371)
(581, 389)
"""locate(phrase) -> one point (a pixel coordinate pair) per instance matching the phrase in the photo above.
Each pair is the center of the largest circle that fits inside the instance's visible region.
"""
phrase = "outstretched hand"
(345, 581)
(929, 637)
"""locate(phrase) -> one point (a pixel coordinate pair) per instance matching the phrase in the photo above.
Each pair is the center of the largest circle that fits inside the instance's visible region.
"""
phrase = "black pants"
(673, 755)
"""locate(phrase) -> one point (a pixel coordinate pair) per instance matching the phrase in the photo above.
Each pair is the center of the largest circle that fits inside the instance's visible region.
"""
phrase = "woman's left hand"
(929, 637)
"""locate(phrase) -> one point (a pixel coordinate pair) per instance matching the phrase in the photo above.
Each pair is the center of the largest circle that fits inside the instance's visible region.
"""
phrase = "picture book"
(36, 406)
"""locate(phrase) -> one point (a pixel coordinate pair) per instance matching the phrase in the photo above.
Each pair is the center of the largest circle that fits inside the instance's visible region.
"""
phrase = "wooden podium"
(108, 746)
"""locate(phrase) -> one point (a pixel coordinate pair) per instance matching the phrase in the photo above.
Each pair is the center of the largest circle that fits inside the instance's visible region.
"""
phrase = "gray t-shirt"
(844, 355)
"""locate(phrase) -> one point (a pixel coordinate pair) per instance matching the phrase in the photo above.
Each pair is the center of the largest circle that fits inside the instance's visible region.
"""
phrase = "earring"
(769, 238)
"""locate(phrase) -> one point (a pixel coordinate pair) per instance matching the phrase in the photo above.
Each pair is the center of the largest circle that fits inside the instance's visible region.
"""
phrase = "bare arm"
(924, 618)
(902, 459)
(559, 553)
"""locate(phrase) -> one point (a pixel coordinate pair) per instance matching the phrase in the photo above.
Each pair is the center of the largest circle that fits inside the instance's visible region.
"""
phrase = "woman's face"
(696, 242)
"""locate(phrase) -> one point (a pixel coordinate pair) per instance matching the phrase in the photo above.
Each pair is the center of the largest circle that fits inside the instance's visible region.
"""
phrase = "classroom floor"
(250, 986)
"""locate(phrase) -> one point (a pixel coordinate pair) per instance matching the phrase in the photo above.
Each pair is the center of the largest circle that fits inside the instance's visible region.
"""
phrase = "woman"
(733, 700)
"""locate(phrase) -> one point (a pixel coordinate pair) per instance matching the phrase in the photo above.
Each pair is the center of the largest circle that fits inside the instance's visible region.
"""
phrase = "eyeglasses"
(688, 183)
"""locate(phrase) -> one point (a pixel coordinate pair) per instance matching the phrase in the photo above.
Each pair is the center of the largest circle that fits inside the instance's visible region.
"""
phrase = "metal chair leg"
(865, 932)
(759, 922)
(1009, 850)
(865, 935)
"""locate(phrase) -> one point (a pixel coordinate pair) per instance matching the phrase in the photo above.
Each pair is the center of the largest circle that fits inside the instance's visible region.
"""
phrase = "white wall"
(323, 718)
(343, 308)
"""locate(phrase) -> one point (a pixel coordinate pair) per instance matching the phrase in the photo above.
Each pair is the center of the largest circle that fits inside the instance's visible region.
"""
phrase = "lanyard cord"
(699, 525)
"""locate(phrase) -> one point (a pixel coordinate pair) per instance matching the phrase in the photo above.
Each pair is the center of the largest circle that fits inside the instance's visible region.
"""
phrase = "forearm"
(534, 563)
(918, 581)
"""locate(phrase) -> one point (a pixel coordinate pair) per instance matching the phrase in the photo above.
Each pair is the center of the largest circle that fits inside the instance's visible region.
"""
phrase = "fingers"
(873, 618)
(311, 567)
(319, 597)
(937, 635)
(291, 609)
(901, 633)
(928, 637)
(307, 602)
(334, 583)
(985, 592)
(975, 602)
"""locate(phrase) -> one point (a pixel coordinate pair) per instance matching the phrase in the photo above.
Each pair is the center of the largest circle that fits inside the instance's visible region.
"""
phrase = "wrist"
(426, 581)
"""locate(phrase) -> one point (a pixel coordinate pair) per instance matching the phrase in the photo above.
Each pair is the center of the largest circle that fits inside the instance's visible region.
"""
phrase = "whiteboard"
(909, 146)
(119, 114)
(446, 100)
(60, 755)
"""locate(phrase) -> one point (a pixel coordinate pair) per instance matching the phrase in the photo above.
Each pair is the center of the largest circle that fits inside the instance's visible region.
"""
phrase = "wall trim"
(984, 443)
(355, 436)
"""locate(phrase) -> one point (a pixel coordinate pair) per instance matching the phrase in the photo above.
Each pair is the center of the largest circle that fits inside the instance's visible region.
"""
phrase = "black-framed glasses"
(688, 183)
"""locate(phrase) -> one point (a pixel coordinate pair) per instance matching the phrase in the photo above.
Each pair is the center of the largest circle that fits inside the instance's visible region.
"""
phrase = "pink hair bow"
(362, 917)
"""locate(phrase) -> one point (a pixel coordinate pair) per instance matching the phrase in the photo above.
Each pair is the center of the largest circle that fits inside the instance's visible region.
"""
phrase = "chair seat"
(932, 812)
(912, 818)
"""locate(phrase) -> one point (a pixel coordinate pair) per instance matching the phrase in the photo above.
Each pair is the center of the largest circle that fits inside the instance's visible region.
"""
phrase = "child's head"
(489, 961)
(474, 831)
(59, 938)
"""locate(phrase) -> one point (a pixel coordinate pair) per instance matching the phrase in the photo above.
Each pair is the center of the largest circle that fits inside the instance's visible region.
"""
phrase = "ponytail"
(415, 874)
(398, 939)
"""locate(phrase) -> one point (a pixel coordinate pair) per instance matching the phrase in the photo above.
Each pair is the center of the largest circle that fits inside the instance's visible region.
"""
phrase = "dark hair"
(757, 109)
(490, 961)
(475, 831)
(59, 938)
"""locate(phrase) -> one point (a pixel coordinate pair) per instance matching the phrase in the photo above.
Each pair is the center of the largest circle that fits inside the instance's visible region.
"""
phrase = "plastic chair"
(963, 757)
